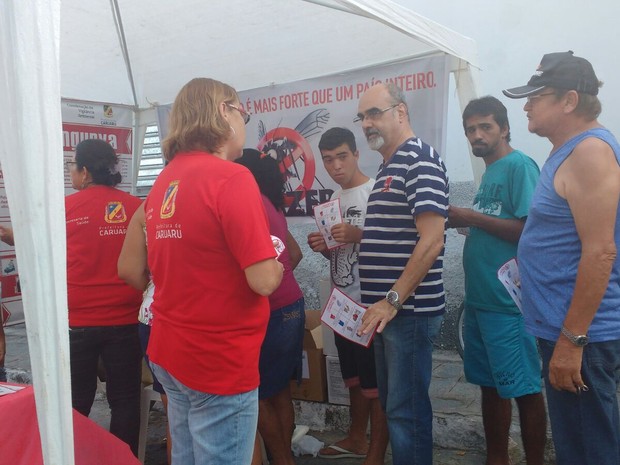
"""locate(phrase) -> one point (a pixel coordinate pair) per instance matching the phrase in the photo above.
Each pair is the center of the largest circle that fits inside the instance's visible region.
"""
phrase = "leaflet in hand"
(278, 245)
(344, 316)
(327, 215)
(508, 274)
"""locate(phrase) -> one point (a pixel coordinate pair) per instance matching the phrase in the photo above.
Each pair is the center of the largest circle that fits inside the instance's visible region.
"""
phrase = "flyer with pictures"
(344, 316)
(327, 215)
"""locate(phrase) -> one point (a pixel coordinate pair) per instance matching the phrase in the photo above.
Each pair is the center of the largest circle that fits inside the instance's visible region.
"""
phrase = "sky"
(512, 36)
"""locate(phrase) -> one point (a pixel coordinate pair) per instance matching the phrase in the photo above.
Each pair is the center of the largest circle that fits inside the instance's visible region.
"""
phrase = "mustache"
(372, 131)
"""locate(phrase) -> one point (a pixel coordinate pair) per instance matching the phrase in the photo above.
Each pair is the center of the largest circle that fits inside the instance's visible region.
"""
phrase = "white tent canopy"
(139, 53)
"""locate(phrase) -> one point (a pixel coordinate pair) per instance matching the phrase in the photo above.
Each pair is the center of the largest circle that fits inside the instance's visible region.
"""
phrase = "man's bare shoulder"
(594, 150)
(592, 167)
(593, 156)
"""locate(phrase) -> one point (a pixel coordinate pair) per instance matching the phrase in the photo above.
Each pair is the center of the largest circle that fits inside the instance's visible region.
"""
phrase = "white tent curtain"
(31, 157)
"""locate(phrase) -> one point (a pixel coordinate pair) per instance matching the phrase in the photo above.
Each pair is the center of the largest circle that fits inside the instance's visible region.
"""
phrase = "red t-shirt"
(97, 220)
(205, 224)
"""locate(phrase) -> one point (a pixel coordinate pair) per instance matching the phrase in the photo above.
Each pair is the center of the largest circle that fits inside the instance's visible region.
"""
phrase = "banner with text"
(287, 121)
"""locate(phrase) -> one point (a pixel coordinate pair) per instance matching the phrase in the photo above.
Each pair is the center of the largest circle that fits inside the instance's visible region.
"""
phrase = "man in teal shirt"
(499, 355)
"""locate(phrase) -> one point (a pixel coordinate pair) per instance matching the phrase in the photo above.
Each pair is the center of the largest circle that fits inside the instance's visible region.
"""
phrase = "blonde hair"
(195, 121)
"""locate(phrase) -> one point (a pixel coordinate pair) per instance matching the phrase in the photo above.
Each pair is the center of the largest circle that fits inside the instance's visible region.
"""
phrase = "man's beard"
(481, 151)
(375, 143)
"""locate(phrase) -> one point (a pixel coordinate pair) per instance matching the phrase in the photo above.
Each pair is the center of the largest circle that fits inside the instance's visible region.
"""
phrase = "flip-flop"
(342, 453)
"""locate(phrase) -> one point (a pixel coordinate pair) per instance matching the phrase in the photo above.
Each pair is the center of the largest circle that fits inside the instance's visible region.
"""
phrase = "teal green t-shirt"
(505, 191)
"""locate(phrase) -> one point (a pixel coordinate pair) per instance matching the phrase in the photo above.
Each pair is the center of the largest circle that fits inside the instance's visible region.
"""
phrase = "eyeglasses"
(69, 163)
(244, 114)
(372, 114)
(532, 98)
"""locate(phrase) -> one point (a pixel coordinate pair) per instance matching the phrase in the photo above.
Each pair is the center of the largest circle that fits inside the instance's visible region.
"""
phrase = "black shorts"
(357, 365)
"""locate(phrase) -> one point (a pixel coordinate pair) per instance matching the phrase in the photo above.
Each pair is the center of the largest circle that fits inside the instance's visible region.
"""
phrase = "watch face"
(581, 340)
(392, 296)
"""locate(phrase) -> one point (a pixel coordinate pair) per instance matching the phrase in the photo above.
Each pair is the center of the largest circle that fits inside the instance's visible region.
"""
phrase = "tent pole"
(116, 13)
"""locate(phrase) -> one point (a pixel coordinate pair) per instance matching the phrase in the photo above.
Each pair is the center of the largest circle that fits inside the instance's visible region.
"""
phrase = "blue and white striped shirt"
(414, 181)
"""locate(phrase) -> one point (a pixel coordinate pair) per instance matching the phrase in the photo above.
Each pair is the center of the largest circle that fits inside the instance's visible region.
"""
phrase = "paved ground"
(457, 424)
(155, 453)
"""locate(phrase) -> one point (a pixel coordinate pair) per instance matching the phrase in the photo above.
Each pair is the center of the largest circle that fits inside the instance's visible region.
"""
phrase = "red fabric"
(20, 442)
(288, 292)
(205, 224)
(97, 220)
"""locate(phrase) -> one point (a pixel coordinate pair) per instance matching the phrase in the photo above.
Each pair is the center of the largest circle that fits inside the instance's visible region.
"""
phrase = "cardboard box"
(329, 343)
(337, 392)
(314, 384)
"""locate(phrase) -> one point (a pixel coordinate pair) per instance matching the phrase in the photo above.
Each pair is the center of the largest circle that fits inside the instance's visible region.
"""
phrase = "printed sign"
(287, 121)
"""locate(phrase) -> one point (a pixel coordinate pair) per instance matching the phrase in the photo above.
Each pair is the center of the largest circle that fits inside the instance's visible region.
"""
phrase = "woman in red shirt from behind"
(102, 308)
(213, 264)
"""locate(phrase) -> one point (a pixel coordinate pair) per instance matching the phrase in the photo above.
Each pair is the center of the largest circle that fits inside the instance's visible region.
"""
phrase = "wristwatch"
(578, 340)
(393, 299)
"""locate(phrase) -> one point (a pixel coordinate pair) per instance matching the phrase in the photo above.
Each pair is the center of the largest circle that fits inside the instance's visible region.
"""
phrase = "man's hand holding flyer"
(344, 316)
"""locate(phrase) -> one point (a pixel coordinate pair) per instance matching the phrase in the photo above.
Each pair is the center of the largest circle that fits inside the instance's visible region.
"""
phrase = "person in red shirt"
(213, 265)
(102, 308)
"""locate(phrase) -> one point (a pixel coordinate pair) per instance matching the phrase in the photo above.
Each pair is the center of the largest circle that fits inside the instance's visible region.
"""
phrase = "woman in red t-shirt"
(213, 264)
(102, 308)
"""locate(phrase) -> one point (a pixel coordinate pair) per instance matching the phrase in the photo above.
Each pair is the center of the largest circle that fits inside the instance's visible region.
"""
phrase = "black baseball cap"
(560, 70)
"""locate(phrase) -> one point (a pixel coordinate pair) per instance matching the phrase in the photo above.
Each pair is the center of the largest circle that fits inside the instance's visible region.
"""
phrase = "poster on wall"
(113, 124)
(287, 121)
(80, 121)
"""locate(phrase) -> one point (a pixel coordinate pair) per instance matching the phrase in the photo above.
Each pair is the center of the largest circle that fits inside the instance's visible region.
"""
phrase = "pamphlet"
(508, 274)
(327, 215)
(344, 316)
(278, 245)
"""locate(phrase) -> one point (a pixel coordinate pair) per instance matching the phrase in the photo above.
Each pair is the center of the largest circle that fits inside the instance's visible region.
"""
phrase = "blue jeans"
(403, 353)
(119, 349)
(586, 427)
(209, 429)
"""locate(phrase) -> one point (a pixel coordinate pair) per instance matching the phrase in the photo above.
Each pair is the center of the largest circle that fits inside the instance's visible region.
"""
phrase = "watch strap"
(578, 340)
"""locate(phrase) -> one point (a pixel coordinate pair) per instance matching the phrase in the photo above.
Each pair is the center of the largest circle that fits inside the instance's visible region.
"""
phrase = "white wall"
(512, 37)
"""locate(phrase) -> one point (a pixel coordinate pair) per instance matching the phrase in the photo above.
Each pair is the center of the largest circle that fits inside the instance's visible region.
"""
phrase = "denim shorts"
(500, 354)
(280, 354)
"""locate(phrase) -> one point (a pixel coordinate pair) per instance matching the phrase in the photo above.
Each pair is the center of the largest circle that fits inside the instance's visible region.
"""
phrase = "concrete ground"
(457, 423)
(457, 426)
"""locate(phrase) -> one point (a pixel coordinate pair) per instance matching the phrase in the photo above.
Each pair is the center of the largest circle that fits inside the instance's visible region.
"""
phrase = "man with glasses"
(567, 254)
(400, 265)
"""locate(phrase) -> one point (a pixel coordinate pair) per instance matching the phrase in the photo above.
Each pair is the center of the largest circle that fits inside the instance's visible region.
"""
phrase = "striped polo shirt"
(412, 182)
